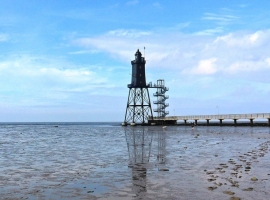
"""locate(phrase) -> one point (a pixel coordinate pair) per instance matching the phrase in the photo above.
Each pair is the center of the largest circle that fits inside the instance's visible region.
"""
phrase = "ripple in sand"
(165, 170)
(212, 188)
(222, 164)
(254, 179)
(238, 166)
(248, 189)
(232, 161)
(235, 198)
(219, 184)
(228, 192)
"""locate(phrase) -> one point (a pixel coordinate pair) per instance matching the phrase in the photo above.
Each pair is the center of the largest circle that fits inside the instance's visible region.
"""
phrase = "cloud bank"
(230, 69)
(41, 81)
(234, 53)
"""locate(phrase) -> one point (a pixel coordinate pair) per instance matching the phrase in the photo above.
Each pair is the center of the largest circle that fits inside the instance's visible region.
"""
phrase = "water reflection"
(161, 157)
(139, 142)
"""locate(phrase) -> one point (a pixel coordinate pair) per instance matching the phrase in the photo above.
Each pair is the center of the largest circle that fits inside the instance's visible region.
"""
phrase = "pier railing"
(218, 117)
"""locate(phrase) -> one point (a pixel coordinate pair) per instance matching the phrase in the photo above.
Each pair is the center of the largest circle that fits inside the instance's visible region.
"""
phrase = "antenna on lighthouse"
(144, 53)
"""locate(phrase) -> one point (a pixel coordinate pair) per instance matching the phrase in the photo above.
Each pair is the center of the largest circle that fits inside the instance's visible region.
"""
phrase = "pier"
(207, 118)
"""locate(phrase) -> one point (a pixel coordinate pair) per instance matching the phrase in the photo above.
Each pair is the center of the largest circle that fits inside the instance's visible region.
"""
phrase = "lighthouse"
(138, 109)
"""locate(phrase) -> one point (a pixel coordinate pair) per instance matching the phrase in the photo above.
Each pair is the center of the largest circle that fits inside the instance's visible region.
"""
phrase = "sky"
(69, 61)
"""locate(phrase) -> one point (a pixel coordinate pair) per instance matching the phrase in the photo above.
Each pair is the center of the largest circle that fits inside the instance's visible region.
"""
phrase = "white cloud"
(128, 33)
(180, 51)
(268, 61)
(157, 5)
(248, 66)
(205, 67)
(131, 3)
(46, 81)
(254, 37)
(181, 26)
(4, 37)
(84, 52)
(210, 31)
(243, 5)
(245, 40)
(221, 18)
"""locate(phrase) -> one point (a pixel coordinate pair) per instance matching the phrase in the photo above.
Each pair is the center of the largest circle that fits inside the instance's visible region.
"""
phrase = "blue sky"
(70, 60)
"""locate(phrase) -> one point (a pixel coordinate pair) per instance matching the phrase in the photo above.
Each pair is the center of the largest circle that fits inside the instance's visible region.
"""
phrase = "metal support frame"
(138, 106)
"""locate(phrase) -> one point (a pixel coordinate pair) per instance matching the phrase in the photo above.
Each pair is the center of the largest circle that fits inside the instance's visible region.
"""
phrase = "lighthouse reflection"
(161, 156)
(139, 142)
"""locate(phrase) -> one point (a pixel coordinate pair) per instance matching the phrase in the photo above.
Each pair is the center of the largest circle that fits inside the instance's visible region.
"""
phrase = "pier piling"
(251, 122)
(220, 122)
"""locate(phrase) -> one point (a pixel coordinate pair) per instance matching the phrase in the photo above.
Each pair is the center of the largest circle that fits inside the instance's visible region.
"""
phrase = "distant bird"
(164, 127)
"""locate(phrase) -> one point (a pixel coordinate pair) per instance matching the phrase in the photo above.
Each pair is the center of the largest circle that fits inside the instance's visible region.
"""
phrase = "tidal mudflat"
(104, 161)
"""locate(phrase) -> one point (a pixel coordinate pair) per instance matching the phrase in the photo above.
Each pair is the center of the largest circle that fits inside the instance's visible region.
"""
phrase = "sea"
(109, 161)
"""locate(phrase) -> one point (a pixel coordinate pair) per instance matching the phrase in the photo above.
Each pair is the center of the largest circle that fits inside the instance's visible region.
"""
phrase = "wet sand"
(111, 162)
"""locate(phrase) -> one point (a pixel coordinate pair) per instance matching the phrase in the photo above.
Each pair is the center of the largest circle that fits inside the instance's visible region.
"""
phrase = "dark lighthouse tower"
(138, 105)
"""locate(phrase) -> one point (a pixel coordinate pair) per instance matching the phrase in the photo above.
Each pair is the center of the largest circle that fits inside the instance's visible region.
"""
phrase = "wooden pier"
(207, 118)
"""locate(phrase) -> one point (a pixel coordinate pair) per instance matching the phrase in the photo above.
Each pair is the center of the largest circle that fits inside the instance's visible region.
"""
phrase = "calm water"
(107, 161)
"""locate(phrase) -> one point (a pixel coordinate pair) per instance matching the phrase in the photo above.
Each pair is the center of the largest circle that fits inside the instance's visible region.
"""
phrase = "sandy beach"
(114, 162)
